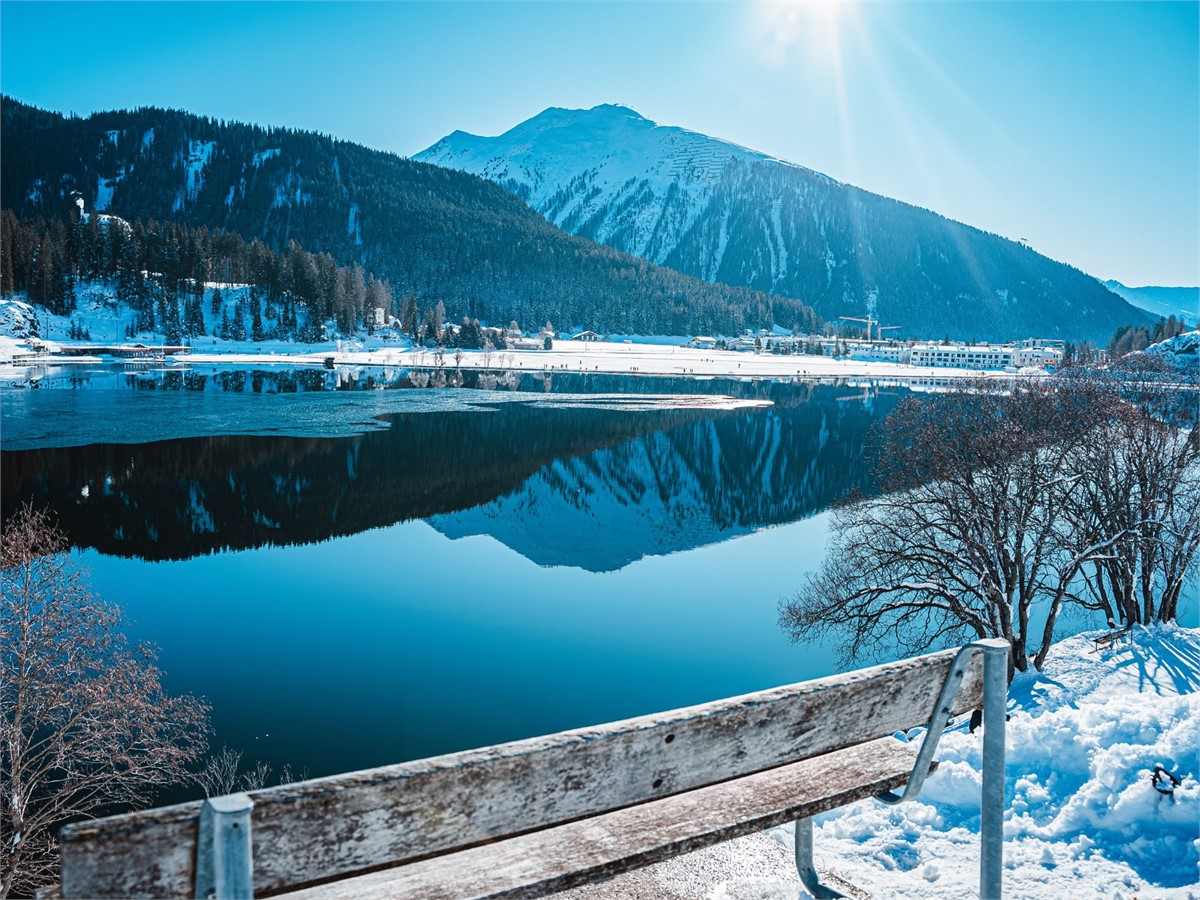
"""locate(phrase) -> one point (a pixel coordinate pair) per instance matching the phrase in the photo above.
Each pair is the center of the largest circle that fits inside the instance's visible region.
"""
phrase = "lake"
(354, 576)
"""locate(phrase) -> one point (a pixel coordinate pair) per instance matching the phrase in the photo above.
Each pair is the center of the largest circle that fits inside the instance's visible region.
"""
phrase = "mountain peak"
(618, 109)
(728, 214)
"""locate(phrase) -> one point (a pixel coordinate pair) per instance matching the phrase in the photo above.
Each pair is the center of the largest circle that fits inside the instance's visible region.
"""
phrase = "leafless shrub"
(256, 778)
(220, 773)
(85, 724)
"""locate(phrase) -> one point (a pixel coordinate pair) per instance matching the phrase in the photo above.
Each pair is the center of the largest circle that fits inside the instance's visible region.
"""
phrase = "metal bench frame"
(991, 828)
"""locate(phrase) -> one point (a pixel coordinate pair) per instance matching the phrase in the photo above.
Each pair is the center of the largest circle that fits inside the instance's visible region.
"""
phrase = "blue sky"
(1075, 126)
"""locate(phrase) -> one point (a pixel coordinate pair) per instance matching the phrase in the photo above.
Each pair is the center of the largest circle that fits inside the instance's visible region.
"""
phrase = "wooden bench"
(1105, 641)
(532, 817)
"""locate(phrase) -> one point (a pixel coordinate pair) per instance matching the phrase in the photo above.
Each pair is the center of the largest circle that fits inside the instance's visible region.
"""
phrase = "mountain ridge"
(440, 235)
(725, 213)
(1160, 300)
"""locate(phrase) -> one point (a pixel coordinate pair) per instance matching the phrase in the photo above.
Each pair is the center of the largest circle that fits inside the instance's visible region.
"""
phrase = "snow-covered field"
(1083, 819)
(105, 320)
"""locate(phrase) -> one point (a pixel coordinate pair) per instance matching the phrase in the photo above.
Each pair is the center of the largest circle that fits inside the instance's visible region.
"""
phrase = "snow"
(607, 155)
(199, 153)
(1082, 820)
(105, 188)
(18, 319)
(638, 185)
(104, 192)
(263, 155)
(106, 319)
(1183, 349)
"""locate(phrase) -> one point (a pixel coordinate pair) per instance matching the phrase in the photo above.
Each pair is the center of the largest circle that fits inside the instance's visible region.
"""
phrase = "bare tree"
(968, 534)
(996, 501)
(85, 724)
(1139, 477)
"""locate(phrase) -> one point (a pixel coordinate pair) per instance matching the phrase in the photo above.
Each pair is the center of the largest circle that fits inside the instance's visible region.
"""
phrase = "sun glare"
(807, 27)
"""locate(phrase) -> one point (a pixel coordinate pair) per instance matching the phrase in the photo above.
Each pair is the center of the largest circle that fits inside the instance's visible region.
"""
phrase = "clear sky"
(1075, 126)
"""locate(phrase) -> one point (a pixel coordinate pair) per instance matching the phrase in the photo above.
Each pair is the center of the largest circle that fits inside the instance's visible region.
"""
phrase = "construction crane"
(880, 328)
(870, 321)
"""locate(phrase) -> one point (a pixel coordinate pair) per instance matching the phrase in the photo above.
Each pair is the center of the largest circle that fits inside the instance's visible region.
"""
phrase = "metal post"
(805, 865)
(991, 826)
(224, 858)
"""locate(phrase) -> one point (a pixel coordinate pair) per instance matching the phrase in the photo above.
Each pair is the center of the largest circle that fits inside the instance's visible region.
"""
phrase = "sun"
(810, 27)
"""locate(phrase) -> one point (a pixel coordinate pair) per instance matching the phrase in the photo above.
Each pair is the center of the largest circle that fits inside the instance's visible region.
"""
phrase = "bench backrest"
(333, 827)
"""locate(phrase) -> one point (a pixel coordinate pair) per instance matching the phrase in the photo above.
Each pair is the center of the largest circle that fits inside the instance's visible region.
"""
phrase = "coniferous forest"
(438, 235)
(160, 271)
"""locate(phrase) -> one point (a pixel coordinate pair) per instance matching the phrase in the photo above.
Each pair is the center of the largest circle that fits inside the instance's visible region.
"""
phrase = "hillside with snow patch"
(439, 235)
(1183, 350)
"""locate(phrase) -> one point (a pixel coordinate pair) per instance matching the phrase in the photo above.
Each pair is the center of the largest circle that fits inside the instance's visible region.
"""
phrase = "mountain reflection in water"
(593, 488)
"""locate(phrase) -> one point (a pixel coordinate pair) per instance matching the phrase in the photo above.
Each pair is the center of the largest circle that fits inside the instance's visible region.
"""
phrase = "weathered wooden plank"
(593, 849)
(344, 824)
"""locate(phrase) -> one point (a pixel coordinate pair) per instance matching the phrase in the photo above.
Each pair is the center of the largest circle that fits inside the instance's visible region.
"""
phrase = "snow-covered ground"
(105, 321)
(1183, 350)
(1082, 820)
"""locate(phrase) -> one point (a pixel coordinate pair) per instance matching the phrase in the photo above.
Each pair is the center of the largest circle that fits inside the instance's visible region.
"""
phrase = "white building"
(1034, 352)
(877, 352)
(960, 356)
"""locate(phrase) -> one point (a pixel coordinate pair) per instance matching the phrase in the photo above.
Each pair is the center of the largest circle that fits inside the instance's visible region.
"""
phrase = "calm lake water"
(358, 577)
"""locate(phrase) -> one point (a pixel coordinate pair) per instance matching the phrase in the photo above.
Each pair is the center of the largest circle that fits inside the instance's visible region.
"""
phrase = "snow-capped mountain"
(606, 172)
(1181, 302)
(727, 214)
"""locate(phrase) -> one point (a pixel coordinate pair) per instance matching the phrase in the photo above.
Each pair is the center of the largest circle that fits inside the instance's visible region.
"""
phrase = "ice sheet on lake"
(35, 419)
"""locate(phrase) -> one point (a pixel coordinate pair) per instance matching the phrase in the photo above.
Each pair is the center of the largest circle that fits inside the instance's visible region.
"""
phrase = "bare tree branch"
(86, 725)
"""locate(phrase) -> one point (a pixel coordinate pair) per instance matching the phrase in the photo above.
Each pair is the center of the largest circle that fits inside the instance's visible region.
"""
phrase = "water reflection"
(342, 636)
(584, 487)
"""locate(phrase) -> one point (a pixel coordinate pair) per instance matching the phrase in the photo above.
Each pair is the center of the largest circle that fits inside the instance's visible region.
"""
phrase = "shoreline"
(566, 356)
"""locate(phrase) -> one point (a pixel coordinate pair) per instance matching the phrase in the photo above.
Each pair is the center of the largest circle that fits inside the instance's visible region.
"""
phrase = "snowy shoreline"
(566, 356)
(1082, 818)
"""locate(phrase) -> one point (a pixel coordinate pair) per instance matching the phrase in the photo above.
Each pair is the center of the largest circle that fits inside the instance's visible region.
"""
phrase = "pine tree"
(256, 325)
(238, 326)
(409, 317)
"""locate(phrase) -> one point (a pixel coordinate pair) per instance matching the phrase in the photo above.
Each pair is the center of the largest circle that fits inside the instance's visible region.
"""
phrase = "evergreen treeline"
(438, 234)
(160, 271)
(1132, 338)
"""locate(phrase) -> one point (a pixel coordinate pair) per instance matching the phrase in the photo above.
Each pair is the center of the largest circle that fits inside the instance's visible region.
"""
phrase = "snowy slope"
(607, 172)
(1083, 819)
(1183, 350)
(724, 213)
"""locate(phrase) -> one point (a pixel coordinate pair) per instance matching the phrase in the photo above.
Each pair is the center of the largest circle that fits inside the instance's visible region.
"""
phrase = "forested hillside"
(441, 235)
